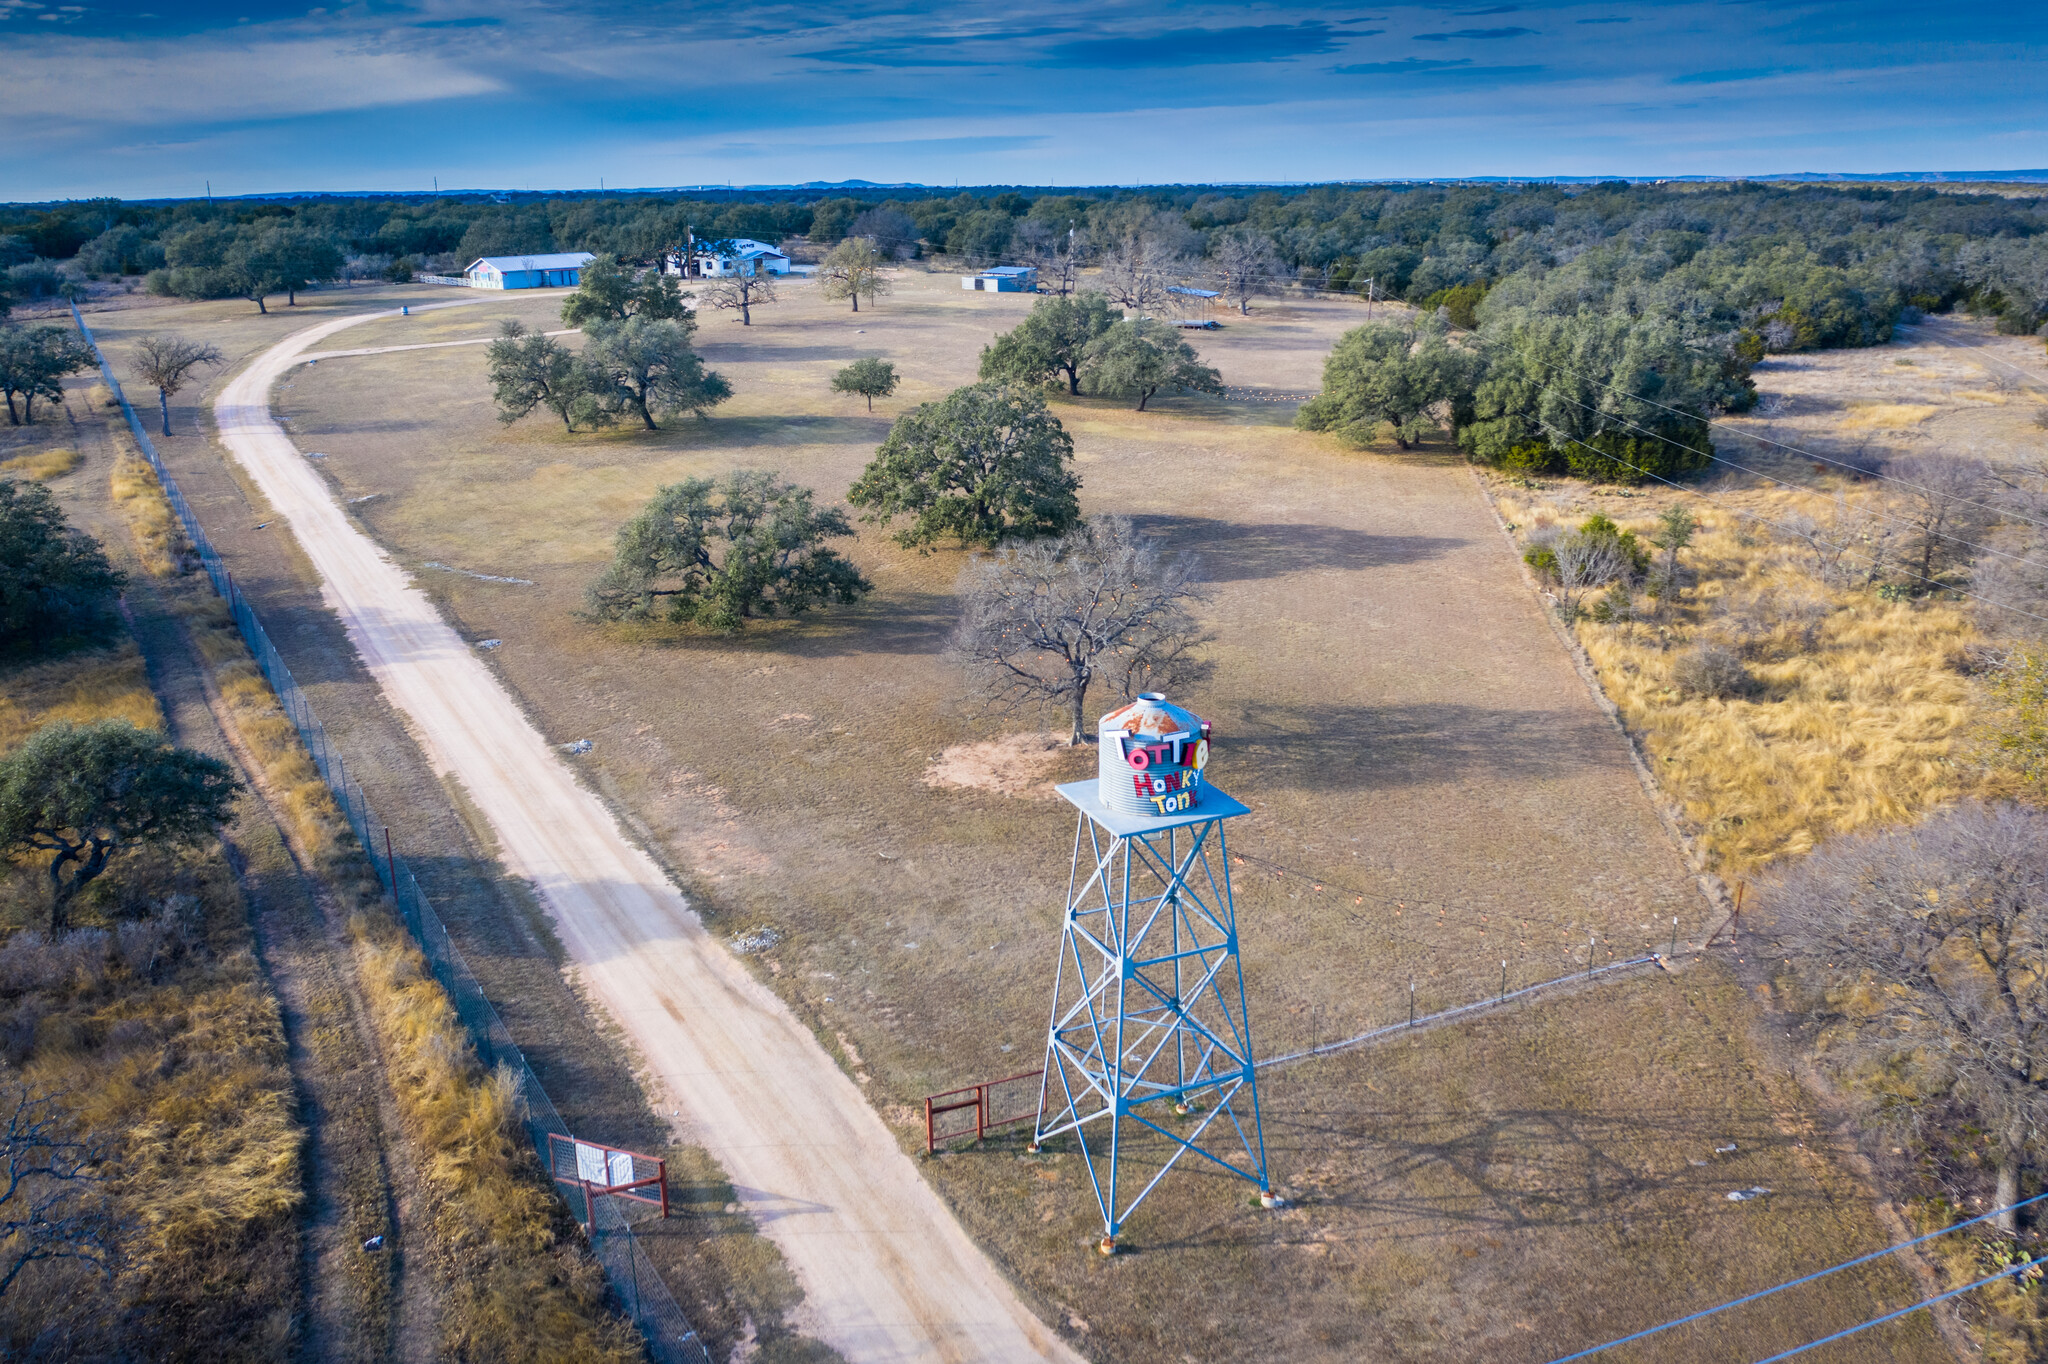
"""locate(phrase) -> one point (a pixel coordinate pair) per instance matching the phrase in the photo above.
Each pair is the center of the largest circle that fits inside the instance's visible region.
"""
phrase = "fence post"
(1674, 937)
(1411, 1001)
(1589, 955)
(661, 1168)
(930, 1143)
(980, 1112)
(1503, 980)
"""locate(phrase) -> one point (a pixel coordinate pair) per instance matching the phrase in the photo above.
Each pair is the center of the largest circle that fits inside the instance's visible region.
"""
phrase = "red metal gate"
(987, 1105)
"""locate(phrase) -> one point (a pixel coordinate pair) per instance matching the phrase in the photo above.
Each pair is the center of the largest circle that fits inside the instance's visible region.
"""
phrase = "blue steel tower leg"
(1149, 1049)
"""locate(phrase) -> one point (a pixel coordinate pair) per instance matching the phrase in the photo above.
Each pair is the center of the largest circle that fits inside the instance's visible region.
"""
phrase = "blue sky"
(144, 98)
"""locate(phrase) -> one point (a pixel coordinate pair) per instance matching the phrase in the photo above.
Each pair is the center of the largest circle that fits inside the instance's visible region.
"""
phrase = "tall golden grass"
(159, 539)
(178, 1067)
(1861, 713)
(520, 1286)
(102, 684)
(42, 464)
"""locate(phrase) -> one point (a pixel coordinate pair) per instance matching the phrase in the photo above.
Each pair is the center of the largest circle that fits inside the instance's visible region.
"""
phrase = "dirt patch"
(1014, 765)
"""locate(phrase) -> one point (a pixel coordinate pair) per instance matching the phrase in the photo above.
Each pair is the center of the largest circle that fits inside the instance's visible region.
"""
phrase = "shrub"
(1712, 670)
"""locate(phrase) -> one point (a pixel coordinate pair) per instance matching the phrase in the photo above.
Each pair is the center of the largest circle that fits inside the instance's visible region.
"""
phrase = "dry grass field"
(1865, 709)
(1415, 749)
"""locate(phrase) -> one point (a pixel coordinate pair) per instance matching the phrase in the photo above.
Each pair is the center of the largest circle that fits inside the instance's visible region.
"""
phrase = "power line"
(1906, 1311)
(1803, 1279)
(1946, 587)
(1766, 440)
(1783, 482)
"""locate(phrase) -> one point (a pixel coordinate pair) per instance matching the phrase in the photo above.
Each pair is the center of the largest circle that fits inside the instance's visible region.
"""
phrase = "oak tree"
(717, 554)
(986, 462)
(867, 377)
(85, 793)
(164, 361)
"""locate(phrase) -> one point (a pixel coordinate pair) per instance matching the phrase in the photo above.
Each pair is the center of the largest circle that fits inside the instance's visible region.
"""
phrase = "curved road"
(887, 1272)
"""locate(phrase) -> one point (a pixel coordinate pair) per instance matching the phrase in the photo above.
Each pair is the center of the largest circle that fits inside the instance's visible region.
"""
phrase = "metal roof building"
(559, 269)
(1003, 279)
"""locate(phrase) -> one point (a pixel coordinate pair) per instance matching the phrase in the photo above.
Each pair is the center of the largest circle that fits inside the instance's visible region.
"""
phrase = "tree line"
(1800, 266)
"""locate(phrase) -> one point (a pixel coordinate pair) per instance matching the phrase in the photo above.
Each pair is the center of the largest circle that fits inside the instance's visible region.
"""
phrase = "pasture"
(1436, 799)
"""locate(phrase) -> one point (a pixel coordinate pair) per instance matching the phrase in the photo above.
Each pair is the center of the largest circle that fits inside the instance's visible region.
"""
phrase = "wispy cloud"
(142, 96)
(1202, 47)
(1748, 73)
(1474, 33)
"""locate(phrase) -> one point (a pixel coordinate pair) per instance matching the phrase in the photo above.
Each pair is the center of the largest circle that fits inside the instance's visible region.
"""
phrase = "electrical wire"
(1906, 1311)
(1794, 1283)
(1766, 440)
(1787, 483)
(1946, 587)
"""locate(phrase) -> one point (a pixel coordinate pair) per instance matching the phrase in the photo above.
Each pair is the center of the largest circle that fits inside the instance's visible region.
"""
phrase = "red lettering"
(1142, 783)
(1158, 751)
(1137, 757)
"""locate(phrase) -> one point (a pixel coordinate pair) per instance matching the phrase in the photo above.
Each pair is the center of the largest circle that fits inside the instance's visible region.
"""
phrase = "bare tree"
(165, 361)
(1043, 621)
(1585, 562)
(1945, 500)
(1245, 266)
(743, 293)
(893, 231)
(1854, 547)
(1054, 252)
(1928, 948)
(1137, 271)
(51, 1206)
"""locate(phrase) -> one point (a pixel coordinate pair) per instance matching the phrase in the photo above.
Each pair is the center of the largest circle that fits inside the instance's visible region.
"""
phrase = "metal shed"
(560, 269)
(1003, 279)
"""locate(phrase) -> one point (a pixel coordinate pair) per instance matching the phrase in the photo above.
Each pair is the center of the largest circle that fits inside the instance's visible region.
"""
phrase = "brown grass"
(43, 465)
(1861, 715)
(109, 683)
(1391, 706)
(178, 1067)
(520, 1287)
(159, 539)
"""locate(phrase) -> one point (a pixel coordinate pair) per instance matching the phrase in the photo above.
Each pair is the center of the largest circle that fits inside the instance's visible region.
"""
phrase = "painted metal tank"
(1151, 757)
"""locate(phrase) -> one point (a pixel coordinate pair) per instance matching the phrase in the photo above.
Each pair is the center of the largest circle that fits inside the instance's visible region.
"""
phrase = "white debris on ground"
(577, 746)
(760, 940)
(480, 577)
(1745, 1195)
(488, 644)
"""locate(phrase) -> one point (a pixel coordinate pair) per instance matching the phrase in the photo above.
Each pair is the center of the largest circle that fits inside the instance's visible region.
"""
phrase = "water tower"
(1149, 1054)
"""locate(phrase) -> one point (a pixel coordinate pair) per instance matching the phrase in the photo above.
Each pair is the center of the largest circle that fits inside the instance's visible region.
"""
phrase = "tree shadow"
(1234, 551)
(1364, 748)
(898, 622)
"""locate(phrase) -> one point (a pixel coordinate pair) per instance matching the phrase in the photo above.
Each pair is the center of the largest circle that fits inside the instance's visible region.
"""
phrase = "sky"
(154, 98)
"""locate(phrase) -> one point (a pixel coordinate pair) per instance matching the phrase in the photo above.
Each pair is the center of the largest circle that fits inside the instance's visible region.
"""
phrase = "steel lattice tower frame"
(1148, 1015)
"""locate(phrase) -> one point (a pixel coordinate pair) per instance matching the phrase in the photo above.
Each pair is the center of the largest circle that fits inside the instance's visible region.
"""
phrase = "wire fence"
(635, 1281)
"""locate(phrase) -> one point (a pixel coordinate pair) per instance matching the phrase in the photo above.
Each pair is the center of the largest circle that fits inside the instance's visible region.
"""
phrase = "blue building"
(1003, 279)
(560, 270)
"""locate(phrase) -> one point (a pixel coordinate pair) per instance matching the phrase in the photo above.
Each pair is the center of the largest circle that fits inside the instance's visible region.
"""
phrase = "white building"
(740, 256)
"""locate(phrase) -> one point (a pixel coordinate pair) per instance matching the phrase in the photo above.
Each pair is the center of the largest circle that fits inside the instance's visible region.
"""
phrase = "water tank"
(1152, 756)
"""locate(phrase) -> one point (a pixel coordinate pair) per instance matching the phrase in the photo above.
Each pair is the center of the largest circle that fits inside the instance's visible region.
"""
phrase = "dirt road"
(887, 1272)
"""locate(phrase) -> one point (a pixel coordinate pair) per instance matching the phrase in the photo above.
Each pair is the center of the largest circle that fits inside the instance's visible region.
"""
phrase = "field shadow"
(736, 351)
(901, 622)
(1426, 1175)
(1233, 551)
(1524, 1167)
(1363, 748)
